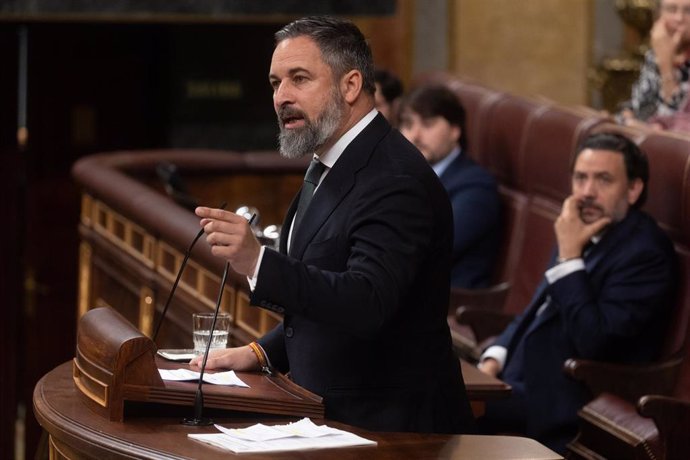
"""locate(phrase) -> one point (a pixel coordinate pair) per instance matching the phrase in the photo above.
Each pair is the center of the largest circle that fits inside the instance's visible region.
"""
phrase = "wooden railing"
(134, 236)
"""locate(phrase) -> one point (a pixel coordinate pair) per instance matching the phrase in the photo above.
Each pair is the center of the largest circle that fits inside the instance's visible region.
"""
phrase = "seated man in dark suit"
(433, 119)
(362, 273)
(606, 297)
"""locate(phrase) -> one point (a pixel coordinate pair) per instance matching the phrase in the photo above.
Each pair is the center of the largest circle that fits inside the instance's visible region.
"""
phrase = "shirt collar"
(442, 165)
(331, 156)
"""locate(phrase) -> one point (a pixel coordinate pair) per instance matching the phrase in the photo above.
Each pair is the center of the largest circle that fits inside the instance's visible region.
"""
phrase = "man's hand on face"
(572, 233)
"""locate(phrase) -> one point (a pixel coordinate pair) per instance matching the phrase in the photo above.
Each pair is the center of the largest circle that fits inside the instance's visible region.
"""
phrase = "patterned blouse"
(646, 98)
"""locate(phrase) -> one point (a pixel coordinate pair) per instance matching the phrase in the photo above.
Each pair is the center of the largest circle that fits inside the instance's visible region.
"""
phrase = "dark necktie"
(311, 180)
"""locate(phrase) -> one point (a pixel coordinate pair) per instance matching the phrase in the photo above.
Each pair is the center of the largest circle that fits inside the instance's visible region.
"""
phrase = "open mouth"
(292, 122)
(291, 118)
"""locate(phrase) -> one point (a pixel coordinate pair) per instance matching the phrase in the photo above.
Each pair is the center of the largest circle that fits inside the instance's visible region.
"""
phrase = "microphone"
(199, 419)
(179, 275)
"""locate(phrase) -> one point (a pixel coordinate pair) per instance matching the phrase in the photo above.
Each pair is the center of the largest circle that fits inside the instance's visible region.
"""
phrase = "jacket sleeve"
(634, 294)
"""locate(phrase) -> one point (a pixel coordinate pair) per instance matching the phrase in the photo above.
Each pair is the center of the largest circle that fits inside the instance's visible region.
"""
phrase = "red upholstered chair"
(479, 103)
(504, 130)
(669, 183)
(547, 147)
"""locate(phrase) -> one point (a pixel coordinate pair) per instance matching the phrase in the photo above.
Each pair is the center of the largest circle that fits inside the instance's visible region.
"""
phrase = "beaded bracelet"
(263, 362)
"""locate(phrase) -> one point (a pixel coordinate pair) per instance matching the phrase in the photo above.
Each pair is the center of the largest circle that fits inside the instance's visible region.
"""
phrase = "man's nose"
(282, 95)
(589, 188)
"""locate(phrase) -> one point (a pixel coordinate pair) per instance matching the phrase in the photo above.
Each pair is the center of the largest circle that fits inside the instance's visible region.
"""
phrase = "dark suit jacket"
(476, 218)
(614, 311)
(365, 292)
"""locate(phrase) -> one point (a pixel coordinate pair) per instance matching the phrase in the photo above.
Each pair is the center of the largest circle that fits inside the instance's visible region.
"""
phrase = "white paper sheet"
(177, 354)
(301, 435)
(228, 378)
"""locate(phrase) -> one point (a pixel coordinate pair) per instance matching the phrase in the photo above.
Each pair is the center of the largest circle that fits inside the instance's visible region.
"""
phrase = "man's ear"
(457, 133)
(635, 190)
(351, 85)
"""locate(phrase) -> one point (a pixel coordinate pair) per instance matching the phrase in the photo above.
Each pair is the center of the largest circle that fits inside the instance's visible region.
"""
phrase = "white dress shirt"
(329, 158)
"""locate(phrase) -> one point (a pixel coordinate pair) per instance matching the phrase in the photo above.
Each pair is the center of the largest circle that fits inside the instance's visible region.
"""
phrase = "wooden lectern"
(116, 363)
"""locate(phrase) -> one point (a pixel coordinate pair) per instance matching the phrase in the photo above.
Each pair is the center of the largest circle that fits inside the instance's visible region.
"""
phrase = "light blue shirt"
(442, 165)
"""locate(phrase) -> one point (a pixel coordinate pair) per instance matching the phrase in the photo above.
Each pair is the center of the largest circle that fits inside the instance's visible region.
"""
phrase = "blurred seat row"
(636, 411)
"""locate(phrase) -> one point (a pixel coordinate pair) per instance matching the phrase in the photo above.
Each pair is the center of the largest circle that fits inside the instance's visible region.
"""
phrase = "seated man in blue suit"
(605, 297)
(433, 119)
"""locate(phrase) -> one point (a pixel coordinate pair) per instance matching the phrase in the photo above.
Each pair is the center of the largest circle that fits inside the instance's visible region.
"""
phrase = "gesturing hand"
(231, 238)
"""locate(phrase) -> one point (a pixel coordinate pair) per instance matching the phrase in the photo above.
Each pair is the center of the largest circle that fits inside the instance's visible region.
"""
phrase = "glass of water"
(201, 327)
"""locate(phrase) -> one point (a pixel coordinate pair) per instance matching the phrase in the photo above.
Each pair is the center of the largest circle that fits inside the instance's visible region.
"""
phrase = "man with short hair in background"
(433, 119)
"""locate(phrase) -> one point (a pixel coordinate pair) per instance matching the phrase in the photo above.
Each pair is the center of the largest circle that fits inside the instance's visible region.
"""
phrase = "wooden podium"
(115, 363)
(78, 433)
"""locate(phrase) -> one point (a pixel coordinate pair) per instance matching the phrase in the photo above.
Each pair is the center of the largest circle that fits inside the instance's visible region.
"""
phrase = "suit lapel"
(615, 236)
(287, 222)
(337, 184)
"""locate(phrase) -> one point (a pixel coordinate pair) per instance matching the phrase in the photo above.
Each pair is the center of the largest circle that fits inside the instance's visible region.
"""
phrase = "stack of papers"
(300, 435)
(219, 378)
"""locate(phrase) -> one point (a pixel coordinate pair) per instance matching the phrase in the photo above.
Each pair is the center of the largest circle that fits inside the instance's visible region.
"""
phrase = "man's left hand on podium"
(237, 359)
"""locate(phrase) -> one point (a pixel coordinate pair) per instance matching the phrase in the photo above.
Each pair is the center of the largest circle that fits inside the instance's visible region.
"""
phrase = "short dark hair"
(437, 101)
(391, 86)
(342, 45)
(635, 160)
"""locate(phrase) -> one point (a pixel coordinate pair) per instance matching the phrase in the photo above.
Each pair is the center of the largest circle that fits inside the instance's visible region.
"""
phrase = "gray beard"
(296, 143)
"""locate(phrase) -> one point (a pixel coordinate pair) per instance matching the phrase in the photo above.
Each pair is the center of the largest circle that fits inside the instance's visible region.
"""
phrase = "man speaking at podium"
(362, 275)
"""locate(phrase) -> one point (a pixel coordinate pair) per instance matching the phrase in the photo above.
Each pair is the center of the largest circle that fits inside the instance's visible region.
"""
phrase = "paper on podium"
(219, 378)
(301, 435)
(181, 354)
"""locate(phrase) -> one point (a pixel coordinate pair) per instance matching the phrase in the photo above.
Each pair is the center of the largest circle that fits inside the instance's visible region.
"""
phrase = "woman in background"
(663, 86)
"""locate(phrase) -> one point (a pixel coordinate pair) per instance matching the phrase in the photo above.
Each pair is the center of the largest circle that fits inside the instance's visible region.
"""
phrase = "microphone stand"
(179, 275)
(198, 419)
